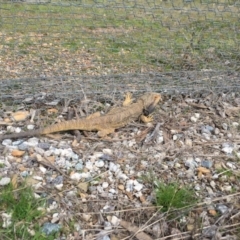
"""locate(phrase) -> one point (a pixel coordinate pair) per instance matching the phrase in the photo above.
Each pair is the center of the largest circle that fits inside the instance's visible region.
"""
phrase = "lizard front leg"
(146, 119)
(128, 99)
(104, 132)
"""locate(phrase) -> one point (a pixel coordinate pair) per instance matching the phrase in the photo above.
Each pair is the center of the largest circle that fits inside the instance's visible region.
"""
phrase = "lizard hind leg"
(128, 99)
(146, 119)
(104, 132)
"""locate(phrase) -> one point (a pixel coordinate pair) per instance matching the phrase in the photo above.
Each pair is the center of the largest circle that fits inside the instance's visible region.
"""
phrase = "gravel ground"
(107, 186)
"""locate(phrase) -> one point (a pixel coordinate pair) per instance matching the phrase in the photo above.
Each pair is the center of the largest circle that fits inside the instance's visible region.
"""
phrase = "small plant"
(173, 196)
(22, 209)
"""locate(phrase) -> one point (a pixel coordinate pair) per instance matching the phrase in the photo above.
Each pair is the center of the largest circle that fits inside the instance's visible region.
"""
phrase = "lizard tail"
(64, 126)
(21, 134)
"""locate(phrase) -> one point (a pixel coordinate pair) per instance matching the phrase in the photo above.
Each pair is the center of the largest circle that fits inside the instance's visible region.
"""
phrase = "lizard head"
(150, 100)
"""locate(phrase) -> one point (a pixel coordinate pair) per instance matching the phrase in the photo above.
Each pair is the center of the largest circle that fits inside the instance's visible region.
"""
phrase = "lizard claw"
(128, 99)
(147, 119)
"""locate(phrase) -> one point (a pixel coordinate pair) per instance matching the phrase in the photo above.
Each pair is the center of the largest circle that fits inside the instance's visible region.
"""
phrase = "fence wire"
(100, 47)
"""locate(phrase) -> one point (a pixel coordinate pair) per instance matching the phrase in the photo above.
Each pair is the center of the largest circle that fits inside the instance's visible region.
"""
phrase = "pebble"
(30, 127)
(79, 166)
(207, 163)
(32, 142)
(216, 131)
(227, 148)
(99, 163)
(44, 146)
(105, 185)
(190, 163)
(23, 147)
(50, 228)
(193, 119)
(5, 181)
(7, 142)
(225, 126)
(222, 208)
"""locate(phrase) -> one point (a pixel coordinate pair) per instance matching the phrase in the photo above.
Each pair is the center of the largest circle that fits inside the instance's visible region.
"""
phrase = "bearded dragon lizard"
(105, 124)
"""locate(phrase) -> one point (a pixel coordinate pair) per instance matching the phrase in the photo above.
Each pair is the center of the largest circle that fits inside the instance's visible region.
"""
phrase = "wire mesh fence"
(67, 47)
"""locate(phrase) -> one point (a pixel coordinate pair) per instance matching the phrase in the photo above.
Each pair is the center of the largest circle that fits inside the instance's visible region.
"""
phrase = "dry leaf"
(20, 116)
(17, 153)
(14, 181)
(134, 229)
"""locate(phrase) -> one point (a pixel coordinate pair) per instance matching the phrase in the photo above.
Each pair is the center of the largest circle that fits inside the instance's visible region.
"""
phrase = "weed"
(23, 208)
(172, 196)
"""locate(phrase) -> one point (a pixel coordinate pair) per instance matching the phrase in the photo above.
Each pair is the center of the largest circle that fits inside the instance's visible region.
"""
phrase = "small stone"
(30, 127)
(5, 181)
(225, 126)
(115, 221)
(43, 169)
(33, 142)
(59, 186)
(227, 148)
(99, 163)
(50, 228)
(193, 119)
(105, 185)
(79, 166)
(6, 142)
(190, 163)
(7, 219)
(197, 115)
(89, 165)
(175, 137)
(23, 147)
(197, 187)
(216, 131)
(231, 165)
(206, 163)
(107, 151)
(44, 146)
(210, 232)
(75, 176)
(235, 124)
(222, 208)
(188, 142)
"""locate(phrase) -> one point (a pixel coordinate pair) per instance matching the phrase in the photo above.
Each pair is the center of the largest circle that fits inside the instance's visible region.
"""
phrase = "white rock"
(30, 127)
(175, 137)
(138, 187)
(115, 221)
(197, 115)
(6, 142)
(99, 163)
(113, 167)
(89, 165)
(227, 188)
(7, 219)
(235, 124)
(38, 178)
(112, 190)
(59, 186)
(100, 189)
(225, 126)
(5, 181)
(107, 151)
(43, 169)
(231, 165)
(193, 119)
(105, 185)
(107, 226)
(129, 185)
(32, 142)
(76, 176)
(188, 142)
(216, 131)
